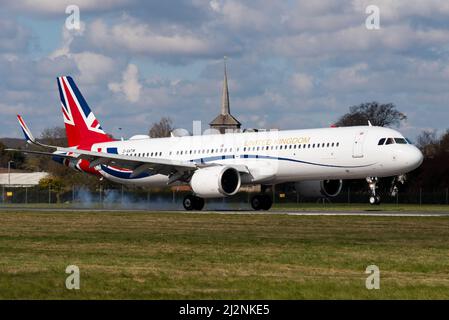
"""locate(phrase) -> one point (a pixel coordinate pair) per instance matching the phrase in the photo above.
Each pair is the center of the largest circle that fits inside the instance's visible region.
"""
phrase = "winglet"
(26, 131)
(29, 136)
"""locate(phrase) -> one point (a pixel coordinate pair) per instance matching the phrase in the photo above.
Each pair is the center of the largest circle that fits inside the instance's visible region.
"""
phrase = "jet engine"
(215, 182)
(319, 188)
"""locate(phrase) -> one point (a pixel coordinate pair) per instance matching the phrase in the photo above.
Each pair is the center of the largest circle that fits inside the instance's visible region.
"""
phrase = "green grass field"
(130, 255)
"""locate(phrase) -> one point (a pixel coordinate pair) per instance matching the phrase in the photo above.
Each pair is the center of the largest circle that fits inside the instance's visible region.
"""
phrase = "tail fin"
(82, 128)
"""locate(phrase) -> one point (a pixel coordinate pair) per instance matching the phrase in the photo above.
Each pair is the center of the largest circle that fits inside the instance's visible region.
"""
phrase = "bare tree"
(428, 142)
(162, 128)
(54, 136)
(382, 115)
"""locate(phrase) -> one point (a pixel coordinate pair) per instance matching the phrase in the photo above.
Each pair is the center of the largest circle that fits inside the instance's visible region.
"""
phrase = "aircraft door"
(357, 149)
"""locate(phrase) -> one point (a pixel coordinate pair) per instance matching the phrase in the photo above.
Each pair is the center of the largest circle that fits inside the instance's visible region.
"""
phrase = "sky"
(291, 64)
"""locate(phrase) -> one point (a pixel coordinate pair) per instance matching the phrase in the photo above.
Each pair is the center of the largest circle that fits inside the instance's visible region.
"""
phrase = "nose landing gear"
(374, 199)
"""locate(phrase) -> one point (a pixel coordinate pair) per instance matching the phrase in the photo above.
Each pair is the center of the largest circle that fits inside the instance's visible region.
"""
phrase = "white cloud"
(130, 85)
(67, 38)
(93, 67)
(302, 82)
(215, 5)
(52, 7)
(132, 36)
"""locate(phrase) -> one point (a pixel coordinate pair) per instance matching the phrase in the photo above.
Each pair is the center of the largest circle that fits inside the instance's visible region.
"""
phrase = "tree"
(382, 115)
(54, 136)
(428, 142)
(55, 184)
(161, 129)
(5, 156)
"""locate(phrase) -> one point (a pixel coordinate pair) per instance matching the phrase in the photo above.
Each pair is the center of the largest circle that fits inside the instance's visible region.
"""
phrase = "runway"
(336, 213)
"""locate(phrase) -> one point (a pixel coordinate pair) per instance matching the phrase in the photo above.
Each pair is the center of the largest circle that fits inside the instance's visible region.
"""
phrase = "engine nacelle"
(319, 188)
(215, 182)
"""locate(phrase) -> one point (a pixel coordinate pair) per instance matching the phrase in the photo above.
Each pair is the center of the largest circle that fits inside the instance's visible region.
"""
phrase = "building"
(21, 179)
(225, 121)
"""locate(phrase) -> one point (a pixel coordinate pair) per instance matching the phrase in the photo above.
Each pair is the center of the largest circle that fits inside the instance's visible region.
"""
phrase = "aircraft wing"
(41, 153)
(137, 164)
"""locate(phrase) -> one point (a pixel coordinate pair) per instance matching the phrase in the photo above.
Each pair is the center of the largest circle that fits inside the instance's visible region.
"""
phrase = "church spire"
(225, 121)
(225, 94)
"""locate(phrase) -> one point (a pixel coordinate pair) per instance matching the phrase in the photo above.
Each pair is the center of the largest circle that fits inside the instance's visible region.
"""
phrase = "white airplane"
(217, 165)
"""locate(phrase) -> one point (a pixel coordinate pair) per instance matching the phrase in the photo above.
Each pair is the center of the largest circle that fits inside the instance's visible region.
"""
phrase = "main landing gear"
(261, 202)
(192, 202)
(373, 199)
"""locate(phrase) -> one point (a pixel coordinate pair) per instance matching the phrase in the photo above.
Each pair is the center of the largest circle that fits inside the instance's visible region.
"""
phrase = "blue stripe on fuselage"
(256, 156)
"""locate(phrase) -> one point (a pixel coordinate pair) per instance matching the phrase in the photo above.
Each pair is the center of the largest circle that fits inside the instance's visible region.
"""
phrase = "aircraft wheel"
(267, 202)
(261, 202)
(192, 202)
(257, 202)
(188, 202)
(198, 203)
(374, 200)
(377, 200)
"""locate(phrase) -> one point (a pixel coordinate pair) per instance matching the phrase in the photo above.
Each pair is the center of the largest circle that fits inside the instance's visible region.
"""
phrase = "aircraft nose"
(414, 157)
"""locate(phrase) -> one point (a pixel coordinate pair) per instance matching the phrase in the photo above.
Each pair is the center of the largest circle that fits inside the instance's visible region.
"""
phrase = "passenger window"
(338, 143)
(390, 141)
(381, 142)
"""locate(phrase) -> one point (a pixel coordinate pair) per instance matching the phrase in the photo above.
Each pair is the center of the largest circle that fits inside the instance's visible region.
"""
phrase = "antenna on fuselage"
(369, 123)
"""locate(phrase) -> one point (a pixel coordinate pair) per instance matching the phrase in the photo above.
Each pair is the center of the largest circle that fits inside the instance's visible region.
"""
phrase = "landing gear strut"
(373, 199)
(394, 184)
(192, 202)
(261, 202)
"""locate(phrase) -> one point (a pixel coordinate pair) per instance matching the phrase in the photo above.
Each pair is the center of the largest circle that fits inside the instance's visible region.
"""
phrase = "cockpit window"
(400, 140)
(390, 141)
(381, 142)
(408, 140)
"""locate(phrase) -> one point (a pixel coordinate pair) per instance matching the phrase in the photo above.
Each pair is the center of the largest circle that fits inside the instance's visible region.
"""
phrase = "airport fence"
(168, 199)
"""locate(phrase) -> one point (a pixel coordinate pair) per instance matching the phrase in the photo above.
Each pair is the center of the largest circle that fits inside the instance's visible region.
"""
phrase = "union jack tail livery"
(82, 128)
